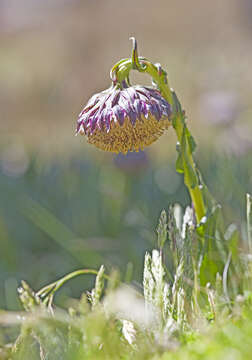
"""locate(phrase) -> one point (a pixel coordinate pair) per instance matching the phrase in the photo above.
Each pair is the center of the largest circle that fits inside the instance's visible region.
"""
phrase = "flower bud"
(122, 120)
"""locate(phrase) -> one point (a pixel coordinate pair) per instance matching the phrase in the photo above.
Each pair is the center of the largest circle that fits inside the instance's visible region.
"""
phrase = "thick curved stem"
(186, 145)
(185, 162)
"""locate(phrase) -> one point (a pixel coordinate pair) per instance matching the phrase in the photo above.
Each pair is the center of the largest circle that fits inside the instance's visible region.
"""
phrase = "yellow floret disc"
(128, 137)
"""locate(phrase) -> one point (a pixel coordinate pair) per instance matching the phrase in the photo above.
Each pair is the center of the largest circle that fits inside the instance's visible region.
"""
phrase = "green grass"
(195, 302)
(78, 212)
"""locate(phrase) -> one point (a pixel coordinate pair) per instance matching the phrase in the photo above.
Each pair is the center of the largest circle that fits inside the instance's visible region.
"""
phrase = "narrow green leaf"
(191, 141)
(191, 178)
(249, 221)
(59, 232)
(180, 163)
(162, 229)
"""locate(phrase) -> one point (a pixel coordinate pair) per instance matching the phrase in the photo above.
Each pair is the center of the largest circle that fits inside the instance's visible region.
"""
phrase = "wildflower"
(127, 119)
(133, 162)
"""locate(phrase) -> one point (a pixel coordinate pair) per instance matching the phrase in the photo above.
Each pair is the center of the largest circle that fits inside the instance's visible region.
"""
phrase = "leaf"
(249, 221)
(98, 289)
(57, 231)
(191, 141)
(215, 250)
(191, 178)
(183, 164)
(180, 162)
(162, 229)
(232, 239)
(176, 104)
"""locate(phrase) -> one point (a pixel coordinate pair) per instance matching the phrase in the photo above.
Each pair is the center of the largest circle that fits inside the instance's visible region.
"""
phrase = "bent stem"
(47, 292)
(185, 162)
(185, 145)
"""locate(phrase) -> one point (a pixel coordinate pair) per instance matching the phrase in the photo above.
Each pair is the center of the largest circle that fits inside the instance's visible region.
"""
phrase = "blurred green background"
(65, 204)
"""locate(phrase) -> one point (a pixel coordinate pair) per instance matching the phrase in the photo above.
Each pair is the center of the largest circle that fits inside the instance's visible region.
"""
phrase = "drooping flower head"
(122, 120)
(126, 118)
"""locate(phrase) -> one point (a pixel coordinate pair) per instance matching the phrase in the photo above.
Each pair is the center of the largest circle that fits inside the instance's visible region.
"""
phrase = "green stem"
(53, 287)
(185, 141)
(191, 177)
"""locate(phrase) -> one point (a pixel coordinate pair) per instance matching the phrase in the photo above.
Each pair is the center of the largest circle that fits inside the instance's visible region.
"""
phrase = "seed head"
(122, 120)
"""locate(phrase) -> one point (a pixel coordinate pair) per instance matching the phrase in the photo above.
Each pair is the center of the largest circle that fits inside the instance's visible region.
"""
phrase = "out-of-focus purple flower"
(236, 140)
(219, 107)
(133, 162)
(122, 120)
